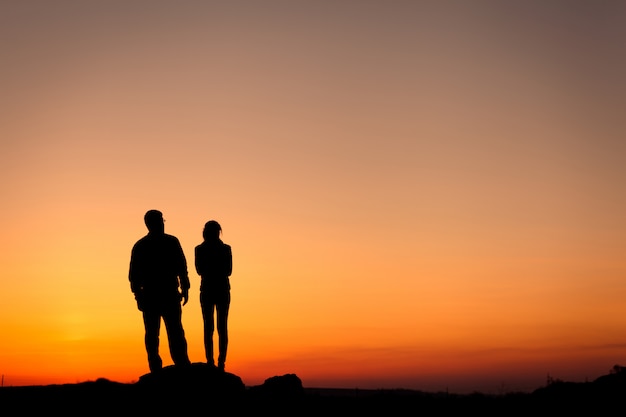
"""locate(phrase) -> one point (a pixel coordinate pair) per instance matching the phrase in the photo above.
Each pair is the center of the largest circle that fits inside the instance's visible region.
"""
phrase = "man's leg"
(176, 335)
(152, 326)
(222, 329)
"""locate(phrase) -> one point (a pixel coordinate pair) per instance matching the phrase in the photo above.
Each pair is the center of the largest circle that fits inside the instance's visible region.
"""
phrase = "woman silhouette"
(214, 264)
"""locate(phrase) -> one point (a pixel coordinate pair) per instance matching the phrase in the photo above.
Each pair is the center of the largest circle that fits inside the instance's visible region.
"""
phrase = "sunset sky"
(418, 194)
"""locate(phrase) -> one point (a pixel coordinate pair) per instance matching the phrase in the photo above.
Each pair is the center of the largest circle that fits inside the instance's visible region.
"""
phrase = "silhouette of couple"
(160, 282)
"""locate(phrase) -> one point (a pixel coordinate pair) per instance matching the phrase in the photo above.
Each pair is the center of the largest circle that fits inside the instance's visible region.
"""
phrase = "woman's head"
(212, 230)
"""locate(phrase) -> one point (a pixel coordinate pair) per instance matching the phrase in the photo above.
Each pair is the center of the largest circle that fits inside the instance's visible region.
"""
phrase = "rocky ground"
(203, 391)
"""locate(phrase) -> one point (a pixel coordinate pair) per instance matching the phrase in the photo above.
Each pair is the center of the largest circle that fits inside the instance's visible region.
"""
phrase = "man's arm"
(183, 275)
(134, 276)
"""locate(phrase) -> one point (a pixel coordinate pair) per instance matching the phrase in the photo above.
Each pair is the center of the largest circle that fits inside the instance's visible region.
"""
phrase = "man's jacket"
(158, 268)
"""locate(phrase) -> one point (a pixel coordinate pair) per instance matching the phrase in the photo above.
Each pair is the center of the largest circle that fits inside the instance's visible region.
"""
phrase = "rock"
(287, 386)
(197, 381)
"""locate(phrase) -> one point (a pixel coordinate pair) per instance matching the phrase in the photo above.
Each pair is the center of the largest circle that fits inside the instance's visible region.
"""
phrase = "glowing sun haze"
(425, 195)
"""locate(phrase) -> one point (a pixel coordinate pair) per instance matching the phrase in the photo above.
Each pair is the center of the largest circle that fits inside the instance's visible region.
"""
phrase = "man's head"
(211, 230)
(154, 221)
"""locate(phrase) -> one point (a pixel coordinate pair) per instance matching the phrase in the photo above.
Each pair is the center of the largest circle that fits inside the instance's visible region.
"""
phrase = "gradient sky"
(419, 194)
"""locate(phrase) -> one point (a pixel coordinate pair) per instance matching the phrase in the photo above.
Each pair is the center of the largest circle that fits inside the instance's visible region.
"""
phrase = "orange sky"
(417, 195)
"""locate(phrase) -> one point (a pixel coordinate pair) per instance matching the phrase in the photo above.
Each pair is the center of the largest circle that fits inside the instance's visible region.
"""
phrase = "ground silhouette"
(200, 390)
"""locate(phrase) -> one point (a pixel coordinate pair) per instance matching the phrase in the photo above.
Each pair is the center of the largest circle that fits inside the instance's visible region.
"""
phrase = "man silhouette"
(214, 264)
(158, 269)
